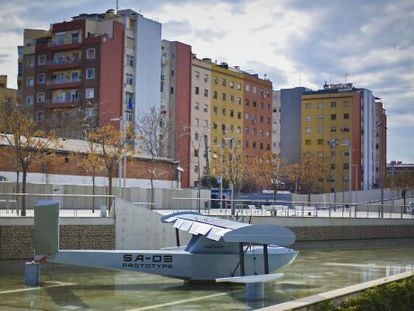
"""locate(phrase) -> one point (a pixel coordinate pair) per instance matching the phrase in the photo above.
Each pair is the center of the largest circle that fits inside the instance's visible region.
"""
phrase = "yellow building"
(331, 132)
(226, 112)
(8, 97)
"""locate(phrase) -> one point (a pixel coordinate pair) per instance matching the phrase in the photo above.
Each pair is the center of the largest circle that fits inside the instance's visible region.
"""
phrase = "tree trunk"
(23, 212)
(152, 183)
(93, 189)
(110, 190)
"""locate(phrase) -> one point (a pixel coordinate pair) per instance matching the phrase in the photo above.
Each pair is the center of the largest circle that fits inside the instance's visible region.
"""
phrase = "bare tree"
(112, 146)
(28, 145)
(153, 132)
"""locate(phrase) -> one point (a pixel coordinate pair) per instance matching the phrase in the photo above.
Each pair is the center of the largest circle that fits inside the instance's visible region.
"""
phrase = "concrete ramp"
(137, 227)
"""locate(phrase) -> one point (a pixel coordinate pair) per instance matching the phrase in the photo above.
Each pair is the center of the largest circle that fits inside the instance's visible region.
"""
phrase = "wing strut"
(241, 252)
(266, 259)
(177, 236)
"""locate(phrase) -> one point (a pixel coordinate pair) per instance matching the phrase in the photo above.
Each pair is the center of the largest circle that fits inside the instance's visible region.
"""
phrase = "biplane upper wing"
(230, 231)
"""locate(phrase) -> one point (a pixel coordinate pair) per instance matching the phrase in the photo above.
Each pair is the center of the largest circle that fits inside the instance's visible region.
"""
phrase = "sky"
(293, 42)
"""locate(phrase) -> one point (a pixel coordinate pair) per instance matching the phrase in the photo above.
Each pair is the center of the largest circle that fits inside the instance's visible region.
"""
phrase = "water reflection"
(312, 272)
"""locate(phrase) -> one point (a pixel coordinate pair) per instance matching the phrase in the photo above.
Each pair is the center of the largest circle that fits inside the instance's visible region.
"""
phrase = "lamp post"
(122, 164)
(381, 157)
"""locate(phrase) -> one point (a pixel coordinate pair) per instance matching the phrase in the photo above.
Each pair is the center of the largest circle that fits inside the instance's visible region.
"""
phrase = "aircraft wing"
(230, 231)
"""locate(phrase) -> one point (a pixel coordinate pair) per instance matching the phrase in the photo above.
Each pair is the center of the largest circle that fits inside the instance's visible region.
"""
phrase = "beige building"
(7, 96)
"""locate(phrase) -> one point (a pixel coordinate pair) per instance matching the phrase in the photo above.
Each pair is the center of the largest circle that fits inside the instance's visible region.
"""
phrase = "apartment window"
(205, 93)
(90, 93)
(205, 108)
(268, 133)
(172, 73)
(196, 152)
(238, 115)
(232, 84)
(239, 86)
(29, 81)
(254, 104)
(223, 111)
(307, 142)
(197, 106)
(320, 117)
(197, 121)
(214, 125)
(196, 168)
(223, 128)
(246, 116)
(254, 90)
(345, 166)
(130, 60)
(75, 37)
(231, 128)
(90, 53)
(333, 116)
(130, 79)
(232, 113)
(223, 96)
(197, 90)
(346, 116)
(41, 78)
(205, 77)
(333, 129)
(321, 105)
(90, 74)
(239, 130)
(254, 144)
(261, 146)
(239, 100)
(29, 100)
(215, 94)
(215, 140)
(261, 119)
(332, 166)
(320, 141)
(129, 100)
(232, 98)
(197, 74)
(254, 131)
(171, 90)
(247, 88)
(215, 80)
(246, 130)
(320, 129)
(40, 97)
(247, 102)
(196, 136)
(308, 105)
(268, 120)
(215, 110)
(41, 59)
(345, 104)
(223, 82)
(333, 104)
(320, 154)
(40, 116)
(246, 143)
(308, 118)
(308, 130)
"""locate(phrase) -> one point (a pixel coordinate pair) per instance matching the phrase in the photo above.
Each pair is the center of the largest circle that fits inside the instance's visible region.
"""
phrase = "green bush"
(398, 296)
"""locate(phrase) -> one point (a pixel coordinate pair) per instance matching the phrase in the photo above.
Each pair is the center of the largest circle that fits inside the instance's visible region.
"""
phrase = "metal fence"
(71, 205)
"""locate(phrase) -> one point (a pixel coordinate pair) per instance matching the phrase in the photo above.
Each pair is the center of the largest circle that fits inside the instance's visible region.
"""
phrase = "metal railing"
(71, 205)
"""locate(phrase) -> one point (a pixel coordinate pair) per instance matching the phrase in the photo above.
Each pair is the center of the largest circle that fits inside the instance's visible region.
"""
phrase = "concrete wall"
(16, 236)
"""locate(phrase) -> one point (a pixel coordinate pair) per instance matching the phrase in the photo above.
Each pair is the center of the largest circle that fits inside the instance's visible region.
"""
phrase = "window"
(239, 86)
(90, 93)
(246, 116)
(321, 105)
(320, 129)
(254, 144)
(40, 116)
(215, 80)
(130, 79)
(308, 105)
(29, 81)
(172, 73)
(308, 130)
(268, 120)
(215, 110)
(345, 104)
(238, 129)
(346, 116)
(41, 59)
(320, 141)
(196, 136)
(254, 104)
(307, 142)
(205, 108)
(75, 37)
(239, 100)
(254, 90)
(90, 74)
(171, 90)
(41, 78)
(205, 77)
(40, 97)
(231, 128)
(320, 117)
(215, 94)
(197, 121)
(232, 84)
(223, 82)
(197, 90)
(232, 98)
(332, 166)
(90, 53)
(268, 133)
(196, 168)
(197, 106)
(345, 166)
(232, 113)
(223, 111)
(333, 129)
(196, 152)
(130, 60)
(333, 116)
(246, 130)
(205, 123)
(29, 100)
(247, 102)
(129, 101)
(261, 119)
(261, 146)
(238, 115)
(247, 88)
(223, 96)
(333, 104)
(308, 118)
(205, 93)
(223, 128)
(197, 74)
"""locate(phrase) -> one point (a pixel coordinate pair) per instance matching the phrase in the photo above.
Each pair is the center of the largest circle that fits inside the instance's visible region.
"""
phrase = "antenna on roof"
(346, 75)
(116, 6)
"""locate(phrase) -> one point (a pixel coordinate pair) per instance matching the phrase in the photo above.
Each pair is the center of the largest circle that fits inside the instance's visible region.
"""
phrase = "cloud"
(176, 28)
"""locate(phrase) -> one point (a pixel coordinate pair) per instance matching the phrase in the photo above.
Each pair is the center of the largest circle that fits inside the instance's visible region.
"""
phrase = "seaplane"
(219, 250)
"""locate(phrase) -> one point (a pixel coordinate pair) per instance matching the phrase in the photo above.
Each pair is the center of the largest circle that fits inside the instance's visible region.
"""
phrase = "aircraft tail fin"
(46, 228)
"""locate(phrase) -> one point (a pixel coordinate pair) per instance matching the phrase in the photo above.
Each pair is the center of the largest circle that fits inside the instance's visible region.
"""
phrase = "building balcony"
(63, 63)
(57, 103)
(63, 84)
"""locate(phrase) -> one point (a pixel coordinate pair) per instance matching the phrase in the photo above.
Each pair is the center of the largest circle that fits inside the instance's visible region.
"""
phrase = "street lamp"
(382, 127)
(122, 164)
